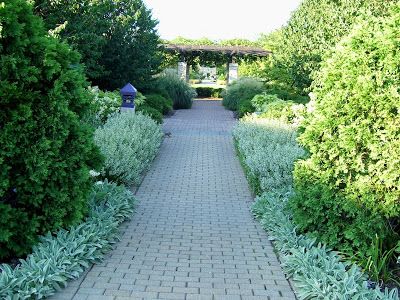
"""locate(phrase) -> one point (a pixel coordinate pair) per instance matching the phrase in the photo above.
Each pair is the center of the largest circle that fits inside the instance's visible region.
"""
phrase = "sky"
(220, 19)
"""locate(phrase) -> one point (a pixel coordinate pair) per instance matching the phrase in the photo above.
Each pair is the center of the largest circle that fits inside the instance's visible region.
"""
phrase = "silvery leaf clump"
(66, 254)
(269, 149)
(129, 143)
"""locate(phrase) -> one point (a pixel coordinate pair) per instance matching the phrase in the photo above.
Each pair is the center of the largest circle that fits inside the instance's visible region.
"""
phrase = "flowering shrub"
(129, 143)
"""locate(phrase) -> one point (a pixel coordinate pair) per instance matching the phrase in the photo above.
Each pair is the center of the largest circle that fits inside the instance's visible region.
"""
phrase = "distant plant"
(181, 93)
(207, 92)
(129, 143)
(159, 102)
(241, 90)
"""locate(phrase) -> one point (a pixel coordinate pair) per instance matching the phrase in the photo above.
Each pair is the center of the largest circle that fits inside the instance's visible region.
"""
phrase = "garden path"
(193, 236)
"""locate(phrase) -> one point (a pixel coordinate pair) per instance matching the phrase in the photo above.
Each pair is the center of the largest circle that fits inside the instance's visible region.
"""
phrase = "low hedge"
(65, 255)
(209, 92)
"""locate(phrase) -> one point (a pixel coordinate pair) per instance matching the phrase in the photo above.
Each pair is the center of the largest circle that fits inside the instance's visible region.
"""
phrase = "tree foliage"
(348, 190)
(315, 27)
(46, 151)
(117, 39)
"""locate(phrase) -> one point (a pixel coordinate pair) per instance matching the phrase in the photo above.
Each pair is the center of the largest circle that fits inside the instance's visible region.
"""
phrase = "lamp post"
(128, 94)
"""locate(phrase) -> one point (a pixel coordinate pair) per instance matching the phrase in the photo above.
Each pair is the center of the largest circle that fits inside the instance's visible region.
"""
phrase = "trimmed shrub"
(65, 255)
(159, 102)
(241, 90)
(129, 143)
(178, 90)
(209, 92)
(245, 107)
(151, 112)
(46, 150)
(348, 191)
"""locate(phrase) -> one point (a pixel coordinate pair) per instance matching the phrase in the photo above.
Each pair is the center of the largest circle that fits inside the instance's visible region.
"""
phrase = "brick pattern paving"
(193, 236)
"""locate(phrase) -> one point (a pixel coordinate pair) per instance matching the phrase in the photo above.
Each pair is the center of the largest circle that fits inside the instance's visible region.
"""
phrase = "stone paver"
(193, 236)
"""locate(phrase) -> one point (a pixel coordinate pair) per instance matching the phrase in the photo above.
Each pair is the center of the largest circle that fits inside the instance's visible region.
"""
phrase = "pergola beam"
(229, 50)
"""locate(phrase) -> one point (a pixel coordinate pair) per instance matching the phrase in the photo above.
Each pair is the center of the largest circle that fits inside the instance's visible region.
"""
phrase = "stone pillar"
(232, 72)
(182, 70)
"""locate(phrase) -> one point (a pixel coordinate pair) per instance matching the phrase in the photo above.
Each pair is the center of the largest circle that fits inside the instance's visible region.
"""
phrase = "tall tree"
(315, 27)
(118, 39)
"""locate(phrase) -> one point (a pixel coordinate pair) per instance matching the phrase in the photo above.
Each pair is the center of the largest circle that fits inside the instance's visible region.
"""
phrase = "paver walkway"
(193, 236)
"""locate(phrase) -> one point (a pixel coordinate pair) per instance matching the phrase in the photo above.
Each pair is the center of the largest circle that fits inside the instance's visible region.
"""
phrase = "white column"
(232, 72)
(182, 70)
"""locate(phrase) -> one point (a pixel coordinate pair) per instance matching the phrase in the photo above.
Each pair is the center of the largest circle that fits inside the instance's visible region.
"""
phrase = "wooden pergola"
(228, 50)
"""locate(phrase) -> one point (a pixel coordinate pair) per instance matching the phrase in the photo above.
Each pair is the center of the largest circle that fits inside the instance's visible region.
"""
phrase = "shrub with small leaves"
(353, 138)
(129, 143)
(46, 151)
(181, 93)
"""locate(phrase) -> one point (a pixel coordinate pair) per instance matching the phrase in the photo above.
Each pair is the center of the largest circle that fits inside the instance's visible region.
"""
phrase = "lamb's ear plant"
(129, 143)
(66, 254)
(268, 149)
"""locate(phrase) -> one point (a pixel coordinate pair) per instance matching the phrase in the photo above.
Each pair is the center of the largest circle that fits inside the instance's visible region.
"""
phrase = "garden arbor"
(216, 54)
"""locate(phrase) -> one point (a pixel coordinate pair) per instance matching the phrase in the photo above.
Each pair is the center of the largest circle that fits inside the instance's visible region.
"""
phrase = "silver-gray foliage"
(129, 143)
(318, 272)
(65, 255)
(269, 149)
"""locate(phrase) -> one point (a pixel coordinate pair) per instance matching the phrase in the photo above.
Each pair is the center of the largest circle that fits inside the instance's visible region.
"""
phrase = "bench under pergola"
(231, 52)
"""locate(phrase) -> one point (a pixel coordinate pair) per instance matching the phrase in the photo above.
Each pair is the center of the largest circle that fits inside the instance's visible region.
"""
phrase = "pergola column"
(182, 70)
(232, 71)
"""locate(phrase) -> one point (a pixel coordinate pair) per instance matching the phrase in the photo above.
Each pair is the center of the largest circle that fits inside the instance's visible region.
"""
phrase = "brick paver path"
(193, 236)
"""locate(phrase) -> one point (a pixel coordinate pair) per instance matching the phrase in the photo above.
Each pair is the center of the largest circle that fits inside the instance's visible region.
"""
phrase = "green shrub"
(129, 143)
(354, 142)
(151, 112)
(241, 90)
(178, 90)
(65, 255)
(314, 27)
(46, 150)
(209, 92)
(245, 107)
(159, 102)
(260, 101)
